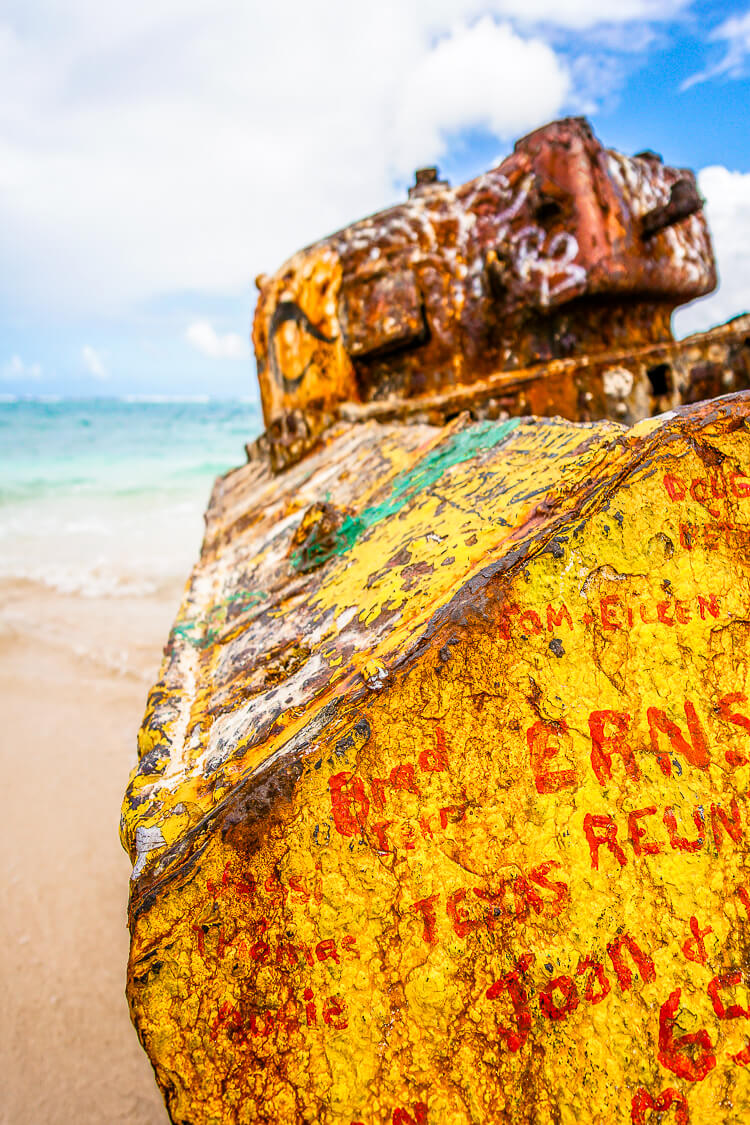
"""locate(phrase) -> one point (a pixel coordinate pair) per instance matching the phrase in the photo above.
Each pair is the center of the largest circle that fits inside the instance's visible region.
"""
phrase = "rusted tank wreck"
(566, 254)
(440, 809)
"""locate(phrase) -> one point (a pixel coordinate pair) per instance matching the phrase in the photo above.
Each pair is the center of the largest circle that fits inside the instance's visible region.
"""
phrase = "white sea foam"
(101, 499)
(164, 399)
(86, 582)
(102, 545)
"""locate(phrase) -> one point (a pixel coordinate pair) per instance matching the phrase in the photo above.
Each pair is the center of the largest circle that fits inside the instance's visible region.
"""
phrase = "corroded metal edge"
(625, 385)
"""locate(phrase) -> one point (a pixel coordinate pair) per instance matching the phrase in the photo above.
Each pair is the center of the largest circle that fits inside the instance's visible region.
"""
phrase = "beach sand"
(75, 672)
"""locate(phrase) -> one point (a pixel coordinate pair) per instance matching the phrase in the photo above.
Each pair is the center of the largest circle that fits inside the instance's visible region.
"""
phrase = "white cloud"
(205, 339)
(15, 368)
(170, 145)
(734, 33)
(727, 196)
(583, 14)
(93, 362)
(485, 63)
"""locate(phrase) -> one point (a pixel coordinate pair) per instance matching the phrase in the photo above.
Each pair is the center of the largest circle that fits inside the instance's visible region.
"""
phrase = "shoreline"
(75, 673)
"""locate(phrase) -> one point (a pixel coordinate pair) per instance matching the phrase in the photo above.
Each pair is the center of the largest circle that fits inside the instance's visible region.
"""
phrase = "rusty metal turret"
(565, 255)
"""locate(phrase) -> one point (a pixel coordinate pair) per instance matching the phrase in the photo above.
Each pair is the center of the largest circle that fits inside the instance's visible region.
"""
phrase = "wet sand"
(75, 672)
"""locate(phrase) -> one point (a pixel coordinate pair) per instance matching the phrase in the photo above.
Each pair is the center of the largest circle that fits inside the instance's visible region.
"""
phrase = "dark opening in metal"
(548, 210)
(660, 378)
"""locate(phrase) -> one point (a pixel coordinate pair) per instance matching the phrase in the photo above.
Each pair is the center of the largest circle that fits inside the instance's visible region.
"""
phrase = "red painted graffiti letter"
(695, 752)
(676, 490)
(643, 962)
(435, 759)
(725, 705)
(347, 794)
(567, 987)
(726, 980)
(680, 843)
(694, 948)
(733, 825)
(597, 974)
(555, 620)
(543, 740)
(674, 1051)
(642, 1101)
(512, 983)
(636, 833)
(426, 907)
(609, 839)
(603, 746)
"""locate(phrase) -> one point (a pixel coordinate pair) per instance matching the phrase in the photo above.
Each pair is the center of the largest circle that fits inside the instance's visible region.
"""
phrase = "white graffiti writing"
(547, 262)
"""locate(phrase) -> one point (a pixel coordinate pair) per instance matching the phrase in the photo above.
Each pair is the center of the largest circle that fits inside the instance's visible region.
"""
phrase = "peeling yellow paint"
(489, 862)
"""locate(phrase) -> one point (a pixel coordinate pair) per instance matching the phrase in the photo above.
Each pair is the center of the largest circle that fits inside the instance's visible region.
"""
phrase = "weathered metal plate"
(441, 809)
(382, 313)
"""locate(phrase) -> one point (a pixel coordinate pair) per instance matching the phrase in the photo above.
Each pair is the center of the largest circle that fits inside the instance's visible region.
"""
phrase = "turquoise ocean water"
(106, 496)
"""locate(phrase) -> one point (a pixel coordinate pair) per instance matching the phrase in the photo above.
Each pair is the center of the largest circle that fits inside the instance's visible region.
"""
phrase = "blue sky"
(155, 157)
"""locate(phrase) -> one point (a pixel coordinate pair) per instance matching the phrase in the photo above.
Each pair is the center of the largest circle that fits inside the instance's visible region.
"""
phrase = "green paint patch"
(204, 631)
(457, 448)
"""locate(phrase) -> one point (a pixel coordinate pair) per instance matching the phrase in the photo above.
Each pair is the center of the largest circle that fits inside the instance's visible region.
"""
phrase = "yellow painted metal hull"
(441, 811)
